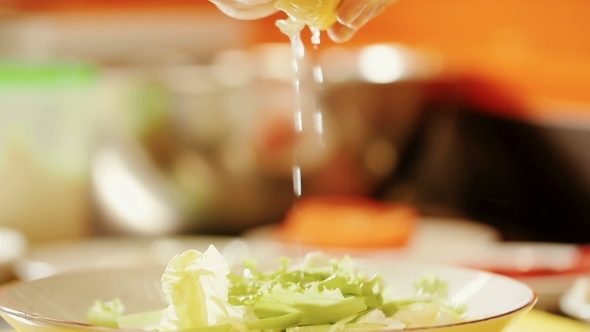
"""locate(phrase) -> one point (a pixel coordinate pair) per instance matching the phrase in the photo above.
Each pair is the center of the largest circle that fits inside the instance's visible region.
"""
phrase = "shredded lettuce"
(429, 285)
(428, 307)
(196, 286)
(324, 291)
(378, 317)
(144, 320)
(320, 295)
(106, 313)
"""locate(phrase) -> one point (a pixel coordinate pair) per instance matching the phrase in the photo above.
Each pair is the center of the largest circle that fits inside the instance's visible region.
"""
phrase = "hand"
(353, 15)
(246, 9)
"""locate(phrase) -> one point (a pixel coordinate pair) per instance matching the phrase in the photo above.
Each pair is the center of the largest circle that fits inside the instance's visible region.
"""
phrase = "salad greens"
(106, 313)
(320, 295)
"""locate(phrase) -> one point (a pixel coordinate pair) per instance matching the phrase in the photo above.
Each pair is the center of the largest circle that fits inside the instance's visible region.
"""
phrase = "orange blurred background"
(536, 50)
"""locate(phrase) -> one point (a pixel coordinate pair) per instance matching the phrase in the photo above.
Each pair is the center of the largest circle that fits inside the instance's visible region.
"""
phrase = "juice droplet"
(315, 36)
(297, 181)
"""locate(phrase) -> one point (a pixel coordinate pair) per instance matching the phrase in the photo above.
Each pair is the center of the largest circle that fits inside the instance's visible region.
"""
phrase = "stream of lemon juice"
(308, 82)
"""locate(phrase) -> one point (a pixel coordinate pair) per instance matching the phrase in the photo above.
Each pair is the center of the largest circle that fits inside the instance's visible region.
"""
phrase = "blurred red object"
(349, 222)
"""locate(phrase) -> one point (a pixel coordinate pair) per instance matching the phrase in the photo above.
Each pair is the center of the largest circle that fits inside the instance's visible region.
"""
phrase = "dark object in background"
(508, 173)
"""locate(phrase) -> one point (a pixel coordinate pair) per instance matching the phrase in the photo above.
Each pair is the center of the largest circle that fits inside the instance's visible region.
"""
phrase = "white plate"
(436, 240)
(52, 258)
(575, 302)
(61, 302)
(548, 268)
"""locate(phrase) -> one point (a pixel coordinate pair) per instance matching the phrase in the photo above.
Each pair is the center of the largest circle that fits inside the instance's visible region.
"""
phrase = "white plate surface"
(436, 241)
(48, 259)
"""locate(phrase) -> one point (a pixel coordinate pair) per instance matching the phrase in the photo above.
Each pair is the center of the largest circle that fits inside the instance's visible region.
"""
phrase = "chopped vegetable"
(143, 320)
(196, 286)
(106, 313)
(320, 295)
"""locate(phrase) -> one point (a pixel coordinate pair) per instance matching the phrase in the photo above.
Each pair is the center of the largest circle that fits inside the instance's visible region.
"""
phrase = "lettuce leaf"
(196, 287)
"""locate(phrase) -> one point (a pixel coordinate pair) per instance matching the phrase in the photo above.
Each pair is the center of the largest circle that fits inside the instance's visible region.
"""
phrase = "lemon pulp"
(319, 14)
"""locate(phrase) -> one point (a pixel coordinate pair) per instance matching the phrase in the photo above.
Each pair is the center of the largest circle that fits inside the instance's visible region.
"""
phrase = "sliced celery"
(331, 328)
(279, 323)
(105, 313)
(314, 312)
(142, 320)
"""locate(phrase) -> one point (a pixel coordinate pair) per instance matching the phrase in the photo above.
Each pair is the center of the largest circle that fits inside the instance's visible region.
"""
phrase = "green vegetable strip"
(313, 313)
(330, 328)
(280, 323)
(142, 320)
(105, 313)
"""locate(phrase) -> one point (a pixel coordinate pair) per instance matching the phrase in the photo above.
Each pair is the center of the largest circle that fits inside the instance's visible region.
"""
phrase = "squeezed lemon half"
(319, 14)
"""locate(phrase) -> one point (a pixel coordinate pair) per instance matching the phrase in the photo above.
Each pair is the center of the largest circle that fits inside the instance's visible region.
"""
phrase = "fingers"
(341, 33)
(353, 15)
(246, 9)
(366, 16)
(347, 16)
(346, 7)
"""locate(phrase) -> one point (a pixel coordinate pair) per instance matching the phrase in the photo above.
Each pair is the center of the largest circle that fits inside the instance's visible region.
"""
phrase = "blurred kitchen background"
(164, 117)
